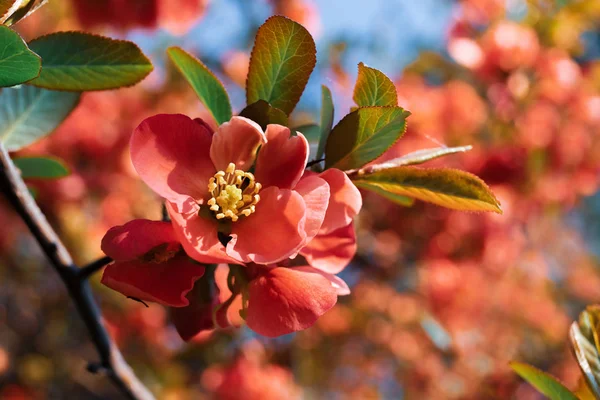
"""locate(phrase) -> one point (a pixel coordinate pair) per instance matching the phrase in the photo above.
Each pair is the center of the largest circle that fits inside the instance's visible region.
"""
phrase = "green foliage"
(28, 113)
(282, 60)
(363, 135)
(41, 167)
(77, 61)
(18, 64)
(449, 188)
(310, 131)
(327, 113)
(206, 85)
(374, 88)
(264, 114)
(545, 383)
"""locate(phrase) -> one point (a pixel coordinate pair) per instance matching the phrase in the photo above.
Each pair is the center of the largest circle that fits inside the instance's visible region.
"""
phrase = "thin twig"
(89, 269)
(111, 360)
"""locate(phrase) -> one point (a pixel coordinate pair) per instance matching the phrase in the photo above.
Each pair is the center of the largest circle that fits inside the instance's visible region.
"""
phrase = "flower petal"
(315, 193)
(198, 236)
(166, 283)
(236, 142)
(274, 232)
(344, 202)
(136, 238)
(283, 300)
(341, 287)
(282, 160)
(333, 251)
(197, 316)
(170, 152)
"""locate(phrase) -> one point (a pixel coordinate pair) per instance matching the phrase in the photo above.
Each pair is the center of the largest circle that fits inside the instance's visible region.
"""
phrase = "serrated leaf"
(543, 382)
(327, 114)
(206, 85)
(587, 357)
(395, 198)
(264, 114)
(41, 167)
(18, 64)
(445, 187)
(374, 88)
(78, 61)
(283, 57)
(28, 113)
(363, 135)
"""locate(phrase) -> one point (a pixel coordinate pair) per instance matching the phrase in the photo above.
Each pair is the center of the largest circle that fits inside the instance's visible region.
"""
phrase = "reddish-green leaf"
(18, 64)
(19, 10)
(545, 383)
(374, 88)
(78, 61)
(5, 6)
(206, 85)
(363, 135)
(282, 60)
(449, 188)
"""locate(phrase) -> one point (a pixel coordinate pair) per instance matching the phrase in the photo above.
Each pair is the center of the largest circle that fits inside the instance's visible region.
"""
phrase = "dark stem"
(313, 162)
(75, 279)
(88, 270)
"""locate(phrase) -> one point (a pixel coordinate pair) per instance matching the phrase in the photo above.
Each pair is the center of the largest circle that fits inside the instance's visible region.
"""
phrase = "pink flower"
(263, 217)
(149, 263)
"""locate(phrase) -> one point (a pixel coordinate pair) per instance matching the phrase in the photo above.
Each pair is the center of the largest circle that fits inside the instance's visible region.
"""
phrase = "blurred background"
(441, 300)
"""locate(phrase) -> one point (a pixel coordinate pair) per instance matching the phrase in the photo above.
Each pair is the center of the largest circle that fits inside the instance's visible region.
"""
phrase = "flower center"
(234, 193)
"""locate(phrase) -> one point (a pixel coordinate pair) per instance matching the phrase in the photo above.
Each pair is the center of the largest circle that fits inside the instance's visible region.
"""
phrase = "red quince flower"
(149, 263)
(266, 216)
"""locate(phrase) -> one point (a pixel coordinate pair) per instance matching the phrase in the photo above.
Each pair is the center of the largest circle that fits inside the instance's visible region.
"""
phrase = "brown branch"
(75, 279)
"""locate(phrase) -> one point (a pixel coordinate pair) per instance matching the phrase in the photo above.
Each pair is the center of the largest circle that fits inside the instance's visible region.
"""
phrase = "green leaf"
(41, 167)
(449, 188)
(283, 57)
(78, 61)
(206, 85)
(374, 88)
(18, 64)
(545, 383)
(28, 113)
(363, 135)
(395, 198)
(264, 114)
(586, 353)
(327, 113)
(310, 131)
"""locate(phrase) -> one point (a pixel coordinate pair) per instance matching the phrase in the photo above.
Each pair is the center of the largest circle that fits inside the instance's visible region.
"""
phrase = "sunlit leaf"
(421, 156)
(583, 391)
(363, 135)
(545, 383)
(587, 357)
(206, 85)
(18, 64)
(263, 114)
(374, 88)
(5, 7)
(41, 167)
(395, 198)
(28, 113)
(449, 188)
(282, 60)
(19, 10)
(327, 113)
(78, 61)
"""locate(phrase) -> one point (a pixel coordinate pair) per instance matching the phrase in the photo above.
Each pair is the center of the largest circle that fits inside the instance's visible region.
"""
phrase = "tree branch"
(75, 279)
(87, 270)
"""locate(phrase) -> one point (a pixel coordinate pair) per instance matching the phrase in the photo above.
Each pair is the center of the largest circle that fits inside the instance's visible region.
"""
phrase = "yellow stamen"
(230, 198)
